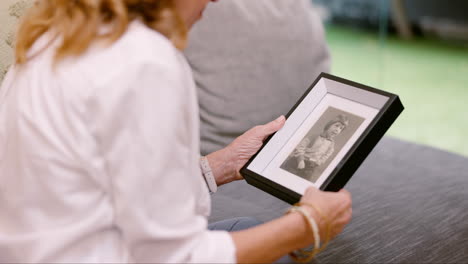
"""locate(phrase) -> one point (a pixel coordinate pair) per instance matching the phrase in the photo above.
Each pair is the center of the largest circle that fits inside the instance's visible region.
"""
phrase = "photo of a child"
(320, 145)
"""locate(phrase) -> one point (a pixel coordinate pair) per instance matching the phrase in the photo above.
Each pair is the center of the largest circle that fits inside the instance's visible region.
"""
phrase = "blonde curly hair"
(77, 23)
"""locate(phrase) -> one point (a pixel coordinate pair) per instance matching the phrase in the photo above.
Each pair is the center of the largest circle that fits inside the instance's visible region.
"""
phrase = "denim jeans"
(234, 224)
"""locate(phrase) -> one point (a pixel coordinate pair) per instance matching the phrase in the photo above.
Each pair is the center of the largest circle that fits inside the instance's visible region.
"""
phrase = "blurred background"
(417, 49)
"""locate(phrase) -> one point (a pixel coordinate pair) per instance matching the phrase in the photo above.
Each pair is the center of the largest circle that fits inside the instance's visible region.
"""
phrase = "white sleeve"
(140, 124)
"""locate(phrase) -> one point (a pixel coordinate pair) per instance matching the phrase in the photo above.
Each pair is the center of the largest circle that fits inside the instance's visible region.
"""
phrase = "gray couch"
(252, 59)
(410, 205)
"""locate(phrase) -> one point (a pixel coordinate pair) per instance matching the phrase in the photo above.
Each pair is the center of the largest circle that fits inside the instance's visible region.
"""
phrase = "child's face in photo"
(335, 129)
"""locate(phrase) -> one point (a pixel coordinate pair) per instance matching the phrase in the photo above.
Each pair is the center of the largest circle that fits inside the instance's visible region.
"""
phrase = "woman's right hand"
(268, 242)
(334, 206)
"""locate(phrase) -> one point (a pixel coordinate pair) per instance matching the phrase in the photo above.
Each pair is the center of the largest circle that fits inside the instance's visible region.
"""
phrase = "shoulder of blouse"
(138, 46)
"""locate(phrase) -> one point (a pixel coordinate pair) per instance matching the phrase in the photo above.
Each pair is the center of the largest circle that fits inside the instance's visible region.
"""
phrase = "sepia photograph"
(321, 144)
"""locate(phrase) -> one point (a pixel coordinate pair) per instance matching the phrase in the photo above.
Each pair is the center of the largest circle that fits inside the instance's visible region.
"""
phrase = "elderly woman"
(99, 146)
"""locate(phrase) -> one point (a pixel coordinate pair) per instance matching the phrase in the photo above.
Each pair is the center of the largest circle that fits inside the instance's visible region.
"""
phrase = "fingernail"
(279, 119)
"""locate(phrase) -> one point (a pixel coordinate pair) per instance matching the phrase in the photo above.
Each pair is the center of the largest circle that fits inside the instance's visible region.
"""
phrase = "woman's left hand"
(246, 145)
(227, 162)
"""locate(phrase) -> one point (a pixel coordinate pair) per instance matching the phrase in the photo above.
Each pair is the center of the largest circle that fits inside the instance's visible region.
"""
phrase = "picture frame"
(327, 135)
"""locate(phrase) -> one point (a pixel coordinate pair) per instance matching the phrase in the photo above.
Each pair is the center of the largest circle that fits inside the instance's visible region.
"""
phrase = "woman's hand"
(226, 163)
(245, 146)
(335, 207)
(267, 242)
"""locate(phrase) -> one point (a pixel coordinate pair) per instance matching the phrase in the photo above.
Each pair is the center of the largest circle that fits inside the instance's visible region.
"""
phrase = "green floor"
(430, 76)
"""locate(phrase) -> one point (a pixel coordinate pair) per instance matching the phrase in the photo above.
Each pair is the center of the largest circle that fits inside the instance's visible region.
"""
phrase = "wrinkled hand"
(301, 165)
(335, 206)
(246, 145)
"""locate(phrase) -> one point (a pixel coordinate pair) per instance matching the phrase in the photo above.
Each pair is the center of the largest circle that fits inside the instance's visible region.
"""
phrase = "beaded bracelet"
(302, 255)
(306, 255)
(325, 219)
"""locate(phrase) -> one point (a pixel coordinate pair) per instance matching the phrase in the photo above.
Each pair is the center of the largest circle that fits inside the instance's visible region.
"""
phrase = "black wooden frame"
(353, 158)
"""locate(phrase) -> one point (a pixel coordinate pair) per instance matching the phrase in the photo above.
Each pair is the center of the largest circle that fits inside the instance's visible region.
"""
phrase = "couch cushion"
(410, 205)
(252, 60)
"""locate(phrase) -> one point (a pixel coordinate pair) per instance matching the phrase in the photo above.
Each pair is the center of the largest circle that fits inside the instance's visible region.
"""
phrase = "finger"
(346, 196)
(273, 126)
(345, 192)
(310, 190)
(342, 204)
(344, 217)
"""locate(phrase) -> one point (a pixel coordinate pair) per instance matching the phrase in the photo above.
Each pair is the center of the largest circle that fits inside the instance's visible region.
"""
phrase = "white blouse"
(99, 158)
